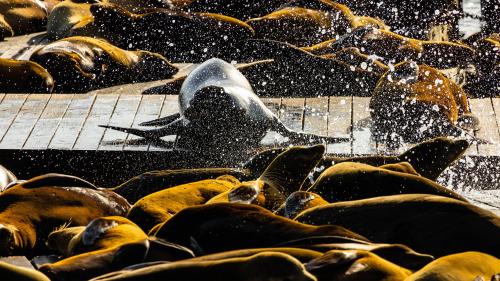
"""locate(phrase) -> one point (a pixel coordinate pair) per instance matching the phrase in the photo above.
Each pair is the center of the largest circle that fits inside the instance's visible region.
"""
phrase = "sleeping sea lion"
(352, 181)
(11, 272)
(343, 265)
(24, 77)
(31, 210)
(24, 16)
(302, 255)
(299, 201)
(460, 267)
(262, 266)
(427, 223)
(417, 102)
(83, 63)
(218, 107)
(227, 226)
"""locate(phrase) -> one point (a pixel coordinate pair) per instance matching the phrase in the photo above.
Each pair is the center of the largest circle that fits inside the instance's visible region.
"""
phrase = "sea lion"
(33, 209)
(11, 272)
(218, 107)
(24, 77)
(5, 29)
(460, 267)
(24, 16)
(417, 102)
(65, 15)
(6, 178)
(353, 56)
(490, 12)
(262, 266)
(302, 255)
(59, 239)
(83, 63)
(299, 201)
(352, 181)
(243, 10)
(427, 223)
(355, 265)
(227, 226)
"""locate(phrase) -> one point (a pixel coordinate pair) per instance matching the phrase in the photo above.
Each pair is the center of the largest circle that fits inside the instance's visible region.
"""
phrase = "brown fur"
(24, 77)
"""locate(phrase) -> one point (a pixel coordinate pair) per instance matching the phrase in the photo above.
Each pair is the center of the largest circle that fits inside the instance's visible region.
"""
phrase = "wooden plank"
(49, 121)
(11, 104)
(483, 109)
(91, 134)
(473, 149)
(72, 121)
(169, 107)
(15, 47)
(272, 138)
(362, 144)
(316, 116)
(23, 124)
(292, 113)
(149, 109)
(340, 124)
(123, 116)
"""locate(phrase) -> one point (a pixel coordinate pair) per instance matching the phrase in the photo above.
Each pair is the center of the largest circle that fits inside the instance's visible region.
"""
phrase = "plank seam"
(14, 118)
(37, 119)
(59, 121)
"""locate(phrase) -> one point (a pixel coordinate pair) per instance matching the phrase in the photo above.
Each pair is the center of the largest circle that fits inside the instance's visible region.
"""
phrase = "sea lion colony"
(366, 218)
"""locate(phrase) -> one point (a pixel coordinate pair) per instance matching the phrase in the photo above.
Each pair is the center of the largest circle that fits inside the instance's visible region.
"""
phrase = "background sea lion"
(5, 29)
(24, 16)
(83, 63)
(427, 223)
(24, 77)
(299, 201)
(302, 255)
(243, 10)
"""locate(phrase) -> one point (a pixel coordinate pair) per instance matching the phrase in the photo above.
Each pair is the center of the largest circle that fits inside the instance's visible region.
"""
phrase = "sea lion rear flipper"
(170, 129)
(304, 137)
(162, 121)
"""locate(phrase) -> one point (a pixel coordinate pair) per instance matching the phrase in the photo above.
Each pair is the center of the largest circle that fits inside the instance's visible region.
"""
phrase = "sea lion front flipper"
(163, 121)
(294, 137)
(170, 129)
(54, 179)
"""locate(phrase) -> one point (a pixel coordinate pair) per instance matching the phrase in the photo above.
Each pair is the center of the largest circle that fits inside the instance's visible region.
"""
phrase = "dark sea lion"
(5, 29)
(218, 107)
(302, 255)
(29, 214)
(352, 181)
(490, 12)
(243, 10)
(6, 178)
(24, 16)
(83, 63)
(59, 239)
(262, 266)
(427, 223)
(460, 267)
(11, 272)
(299, 201)
(417, 102)
(65, 15)
(24, 77)
(353, 56)
(227, 226)
(340, 265)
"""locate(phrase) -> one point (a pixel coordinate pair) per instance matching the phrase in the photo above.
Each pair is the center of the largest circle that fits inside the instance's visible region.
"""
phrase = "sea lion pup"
(262, 266)
(352, 181)
(284, 175)
(427, 223)
(24, 16)
(5, 29)
(218, 107)
(417, 102)
(460, 267)
(11, 272)
(227, 226)
(243, 10)
(83, 63)
(34, 208)
(355, 265)
(299, 201)
(6, 178)
(24, 77)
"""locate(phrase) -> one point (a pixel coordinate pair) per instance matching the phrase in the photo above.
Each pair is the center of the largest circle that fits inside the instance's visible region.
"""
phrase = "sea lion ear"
(54, 179)
(131, 253)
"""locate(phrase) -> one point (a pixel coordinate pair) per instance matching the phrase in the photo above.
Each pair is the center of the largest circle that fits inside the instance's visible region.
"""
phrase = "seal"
(228, 226)
(11, 272)
(83, 63)
(33, 209)
(466, 266)
(446, 226)
(352, 181)
(24, 77)
(354, 265)
(24, 16)
(217, 107)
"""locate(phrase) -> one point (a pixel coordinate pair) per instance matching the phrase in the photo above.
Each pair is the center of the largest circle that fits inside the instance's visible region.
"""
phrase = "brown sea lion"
(353, 56)
(5, 29)
(24, 77)
(66, 15)
(83, 63)
(243, 10)
(11, 272)
(302, 255)
(417, 102)
(460, 267)
(24, 16)
(262, 266)
(352, 181)
(426, 223)
(340, 265)
(227, 226)
(31, 212)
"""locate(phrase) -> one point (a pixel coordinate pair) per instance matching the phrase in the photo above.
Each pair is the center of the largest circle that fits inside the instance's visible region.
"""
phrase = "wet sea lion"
(59, 239)
(299, 201)
(11, 272)
(66, 15)
(353, 56)
(427, 223)
(243, 10)
(83, 63)
(262, 266)
(5, 29)
(352, 181)
(302, 255)
(31, 212)
(490, 11)
(460, 267)
(417, 102)
(24, 16)
(218, 107)
(24, 77)
(340, 265)
(227, 226)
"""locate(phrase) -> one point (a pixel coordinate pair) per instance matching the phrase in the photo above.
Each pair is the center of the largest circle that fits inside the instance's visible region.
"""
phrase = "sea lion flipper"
(295, 137)
(163, 121)
(170, 129)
